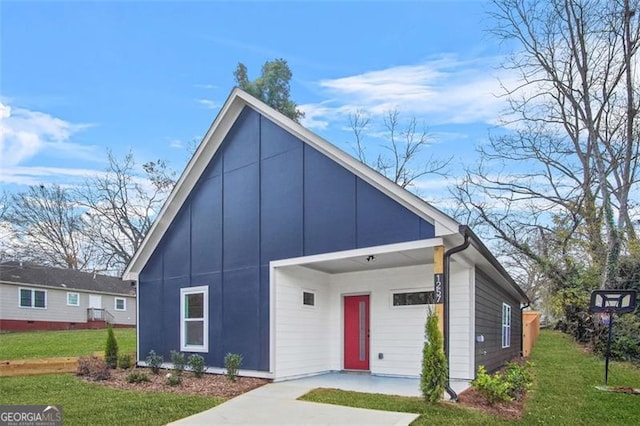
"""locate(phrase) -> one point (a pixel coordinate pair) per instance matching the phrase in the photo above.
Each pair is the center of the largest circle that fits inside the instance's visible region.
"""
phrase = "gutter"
(447, 262)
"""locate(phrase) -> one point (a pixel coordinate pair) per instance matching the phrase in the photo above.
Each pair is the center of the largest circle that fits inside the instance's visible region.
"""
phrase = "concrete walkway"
(276, 404)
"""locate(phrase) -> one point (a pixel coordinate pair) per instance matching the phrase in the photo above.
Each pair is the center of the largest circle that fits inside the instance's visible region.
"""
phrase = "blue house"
(278, 246)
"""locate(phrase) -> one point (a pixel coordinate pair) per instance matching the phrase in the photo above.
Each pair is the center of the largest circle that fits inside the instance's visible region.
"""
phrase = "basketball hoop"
(607, 303)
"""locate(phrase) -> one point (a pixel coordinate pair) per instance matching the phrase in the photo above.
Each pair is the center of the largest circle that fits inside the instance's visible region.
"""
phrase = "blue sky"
(79, 77)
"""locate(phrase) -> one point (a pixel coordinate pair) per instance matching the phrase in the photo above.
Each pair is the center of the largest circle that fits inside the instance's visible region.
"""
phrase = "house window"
(30, 298)
(73, 299)
(413, 298)
(120, 304)
(308, 298)
(506, 325)
(194, 319)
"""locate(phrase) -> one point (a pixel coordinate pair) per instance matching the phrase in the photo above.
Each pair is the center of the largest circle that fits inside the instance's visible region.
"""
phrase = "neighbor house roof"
(24, 273)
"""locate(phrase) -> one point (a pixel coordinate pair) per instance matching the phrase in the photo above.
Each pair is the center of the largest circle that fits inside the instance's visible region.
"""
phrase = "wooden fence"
(530, 330)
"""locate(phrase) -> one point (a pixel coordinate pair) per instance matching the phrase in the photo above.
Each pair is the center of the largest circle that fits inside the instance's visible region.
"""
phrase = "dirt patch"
(471, 398)
(208, 385)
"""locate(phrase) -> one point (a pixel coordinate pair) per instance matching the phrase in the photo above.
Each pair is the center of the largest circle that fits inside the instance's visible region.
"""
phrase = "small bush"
(178, 360)
(174, 379)
(196, 363)
(493, 388)
(434, 363)
(93, 368)
(125, 361)
(232, 363)
(111, 349)
(519, 378)
(154, 361)
(137, 377)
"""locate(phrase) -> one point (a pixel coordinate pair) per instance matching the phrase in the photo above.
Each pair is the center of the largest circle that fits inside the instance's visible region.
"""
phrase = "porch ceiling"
(408, 257)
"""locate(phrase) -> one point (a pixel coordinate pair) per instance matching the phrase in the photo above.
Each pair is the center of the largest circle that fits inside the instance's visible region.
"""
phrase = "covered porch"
(310, 316)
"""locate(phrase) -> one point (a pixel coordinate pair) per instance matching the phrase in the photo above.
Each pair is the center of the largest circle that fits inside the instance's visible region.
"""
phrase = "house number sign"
(438, 291)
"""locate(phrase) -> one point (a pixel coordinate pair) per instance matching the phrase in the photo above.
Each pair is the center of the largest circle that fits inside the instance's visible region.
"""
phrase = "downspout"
(445, 326)
(521, 330)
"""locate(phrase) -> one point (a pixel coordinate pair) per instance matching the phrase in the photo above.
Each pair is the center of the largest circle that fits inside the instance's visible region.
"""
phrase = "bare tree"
(401, 161)
(48, 228)
(573, 158)
(121, 205)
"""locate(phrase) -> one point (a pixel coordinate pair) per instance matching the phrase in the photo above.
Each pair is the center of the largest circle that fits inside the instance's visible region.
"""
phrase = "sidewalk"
(276, 404)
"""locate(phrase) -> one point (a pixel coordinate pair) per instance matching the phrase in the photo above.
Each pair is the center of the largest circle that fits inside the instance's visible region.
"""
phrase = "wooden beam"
(438, 268)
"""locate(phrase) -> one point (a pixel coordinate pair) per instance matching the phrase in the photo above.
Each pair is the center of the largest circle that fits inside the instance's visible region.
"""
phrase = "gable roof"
(23, 273)
(213, 139)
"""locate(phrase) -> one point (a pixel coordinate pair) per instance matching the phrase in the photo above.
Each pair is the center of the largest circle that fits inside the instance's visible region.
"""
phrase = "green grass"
(443, 413)
(564, 392)
(89, 404)
(47, 344)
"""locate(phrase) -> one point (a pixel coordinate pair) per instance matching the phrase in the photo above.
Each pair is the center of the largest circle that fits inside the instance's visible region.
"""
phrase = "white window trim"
(408, 290)
(315, 298)
(69, 293)
(33, 299)
(205, 339)
(506, 326)
(124, 304)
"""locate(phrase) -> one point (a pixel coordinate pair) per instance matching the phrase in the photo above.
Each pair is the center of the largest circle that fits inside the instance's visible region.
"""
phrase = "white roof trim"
(213, 139)
(359, 252)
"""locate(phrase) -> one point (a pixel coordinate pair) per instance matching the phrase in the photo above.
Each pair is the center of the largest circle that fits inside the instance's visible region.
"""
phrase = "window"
(73, 299)
(413, 298)
(30, 298)
(120, 304)
(194, 319)
(506, 325)
(308, 298)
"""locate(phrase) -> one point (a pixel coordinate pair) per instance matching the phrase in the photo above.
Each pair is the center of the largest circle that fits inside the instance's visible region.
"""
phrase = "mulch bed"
(471, 398)
(208, 385)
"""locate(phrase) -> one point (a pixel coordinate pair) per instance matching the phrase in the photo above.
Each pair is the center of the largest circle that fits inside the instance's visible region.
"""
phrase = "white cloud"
(205, 86)
(208, 103)
(25, 133)
(176, 143)
(35, 175)
(444, 90)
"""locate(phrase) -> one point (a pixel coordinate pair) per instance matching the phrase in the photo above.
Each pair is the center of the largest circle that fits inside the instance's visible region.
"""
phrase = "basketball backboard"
(618, 301)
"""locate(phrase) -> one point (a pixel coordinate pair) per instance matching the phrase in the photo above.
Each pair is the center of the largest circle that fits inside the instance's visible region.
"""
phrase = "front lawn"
(564, 392)
(89, 404)
(47, 344)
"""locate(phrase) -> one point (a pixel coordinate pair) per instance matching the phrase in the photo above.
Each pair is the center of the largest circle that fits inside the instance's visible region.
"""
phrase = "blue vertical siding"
(266, 195)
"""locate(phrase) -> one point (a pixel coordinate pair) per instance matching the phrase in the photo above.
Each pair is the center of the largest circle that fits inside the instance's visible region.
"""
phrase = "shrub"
(154, 361)
(93, 368)
(196, 363)
(434, 363)
(137, 377)
(232, 363)
(178, 360)
(125, 361)
(493, 388)
(111, 349)
(173, 379)
(519, 378)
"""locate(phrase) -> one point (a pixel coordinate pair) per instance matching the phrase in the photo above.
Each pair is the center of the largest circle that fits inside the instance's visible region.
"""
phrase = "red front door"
(356, 332)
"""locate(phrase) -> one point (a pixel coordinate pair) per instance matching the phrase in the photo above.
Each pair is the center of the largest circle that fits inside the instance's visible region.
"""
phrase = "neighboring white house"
(35, 297)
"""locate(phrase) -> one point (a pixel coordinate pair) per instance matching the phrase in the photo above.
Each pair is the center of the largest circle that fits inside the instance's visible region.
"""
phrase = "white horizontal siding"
(310, 340)
(461, 343)
(395, 332)
(301, 332)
